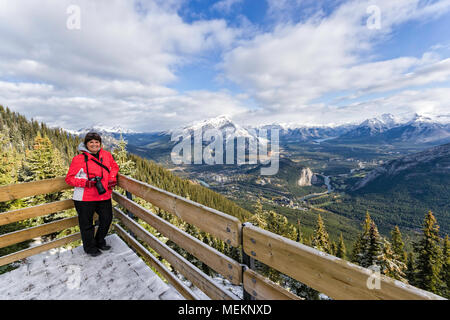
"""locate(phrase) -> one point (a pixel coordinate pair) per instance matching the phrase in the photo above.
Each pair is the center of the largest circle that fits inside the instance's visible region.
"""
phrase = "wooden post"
(248, 262)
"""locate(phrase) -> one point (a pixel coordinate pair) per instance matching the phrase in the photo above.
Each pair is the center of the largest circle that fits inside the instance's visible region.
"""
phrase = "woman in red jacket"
(93, 173)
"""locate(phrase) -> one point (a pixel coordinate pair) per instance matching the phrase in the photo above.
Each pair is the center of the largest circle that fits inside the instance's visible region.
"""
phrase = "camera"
(99, 185)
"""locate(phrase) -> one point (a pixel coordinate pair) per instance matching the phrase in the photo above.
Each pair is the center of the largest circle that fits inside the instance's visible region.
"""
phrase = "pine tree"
(429, 256)
(411, 270)
(356, 250)
(372, 249)
(445, 273)
(321, 239)
(127, 166)
(44, 161)
(280, 225)
(259, 218)
(333, 248)
(7, 162)
(398, 245)
(361, 241)
(341, 251)
(391, 264)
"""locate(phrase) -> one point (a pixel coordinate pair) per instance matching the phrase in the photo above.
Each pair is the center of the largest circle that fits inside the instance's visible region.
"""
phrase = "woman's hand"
(112, 184)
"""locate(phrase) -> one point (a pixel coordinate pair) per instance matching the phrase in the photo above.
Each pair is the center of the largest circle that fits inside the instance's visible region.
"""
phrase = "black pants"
(85, 210)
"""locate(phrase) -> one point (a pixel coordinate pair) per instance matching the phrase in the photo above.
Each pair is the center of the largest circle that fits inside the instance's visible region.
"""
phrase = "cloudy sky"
(160, 64)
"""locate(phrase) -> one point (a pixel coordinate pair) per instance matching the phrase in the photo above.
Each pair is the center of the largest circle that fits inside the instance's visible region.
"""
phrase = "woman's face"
(93, 146)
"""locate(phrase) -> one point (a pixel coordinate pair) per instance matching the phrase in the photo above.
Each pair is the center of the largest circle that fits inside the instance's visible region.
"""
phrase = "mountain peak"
(420, 118)
(218, 122)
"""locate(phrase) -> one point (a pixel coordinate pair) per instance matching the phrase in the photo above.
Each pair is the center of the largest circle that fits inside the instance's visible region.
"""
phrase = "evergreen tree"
(429, 256)
(259, 217)
(280, 225)
(372, 249)
(321, 239)
(355, 255)
(411, 270)
(44, 161)
(398, 245)
(445, 273)
(361, 241)
(333, 248)
(391, 263)
(7, 162)
(127, 166)
(341, 251)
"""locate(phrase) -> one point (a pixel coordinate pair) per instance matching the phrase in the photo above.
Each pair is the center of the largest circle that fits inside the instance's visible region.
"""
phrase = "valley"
(328, 163)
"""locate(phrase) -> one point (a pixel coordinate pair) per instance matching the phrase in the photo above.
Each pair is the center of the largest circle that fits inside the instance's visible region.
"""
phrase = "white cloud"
(287, 69)
(225, 5)
(118, 68)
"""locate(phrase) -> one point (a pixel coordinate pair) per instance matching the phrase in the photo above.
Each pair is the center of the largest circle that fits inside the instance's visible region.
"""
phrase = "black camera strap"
(86, 159)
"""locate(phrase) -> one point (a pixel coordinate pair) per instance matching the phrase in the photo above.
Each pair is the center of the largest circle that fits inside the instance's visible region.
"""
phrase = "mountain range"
(386, 129)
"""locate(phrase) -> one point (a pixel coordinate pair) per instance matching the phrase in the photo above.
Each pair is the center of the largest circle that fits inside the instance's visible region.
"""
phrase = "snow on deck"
(71, 274)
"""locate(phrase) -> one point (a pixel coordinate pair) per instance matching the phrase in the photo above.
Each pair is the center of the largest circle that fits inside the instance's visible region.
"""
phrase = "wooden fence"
(337, 278)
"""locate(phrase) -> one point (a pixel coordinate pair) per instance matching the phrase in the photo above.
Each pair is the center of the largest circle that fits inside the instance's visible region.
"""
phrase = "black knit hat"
(92, 136)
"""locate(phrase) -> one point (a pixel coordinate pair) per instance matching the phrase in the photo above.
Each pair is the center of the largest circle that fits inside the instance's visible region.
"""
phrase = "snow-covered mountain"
(221, 123)
(372, 127)
(383, 129)
(389, 129)
(102, 129)
(419, 129)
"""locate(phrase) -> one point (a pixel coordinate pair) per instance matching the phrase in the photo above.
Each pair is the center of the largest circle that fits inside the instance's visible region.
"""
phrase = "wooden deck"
(62, 274)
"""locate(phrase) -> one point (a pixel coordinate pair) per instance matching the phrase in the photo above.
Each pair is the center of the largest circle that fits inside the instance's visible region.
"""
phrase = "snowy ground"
(117, 274)
(218, 280)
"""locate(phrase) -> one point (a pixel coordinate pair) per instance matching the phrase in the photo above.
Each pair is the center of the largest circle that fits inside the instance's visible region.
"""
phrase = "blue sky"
(160, 64)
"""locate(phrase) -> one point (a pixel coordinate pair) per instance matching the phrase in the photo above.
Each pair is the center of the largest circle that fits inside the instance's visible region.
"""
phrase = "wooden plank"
(193, 274)
(30, 233)
(169, 276)
(224, 265)
(335, 277)
(219, 224)
(263, 289)
(35, 211)
(28, 189)
(38, 249)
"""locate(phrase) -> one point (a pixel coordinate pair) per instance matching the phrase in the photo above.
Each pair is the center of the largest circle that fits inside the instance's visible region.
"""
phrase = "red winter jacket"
(77, 174)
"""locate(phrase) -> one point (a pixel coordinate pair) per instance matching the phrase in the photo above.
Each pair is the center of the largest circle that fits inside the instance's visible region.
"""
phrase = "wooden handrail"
(224, 265)
(219, 224)
(169, 276)
(197, 277)
(35, 211)
(262, 288)
(33, 232)
(335, 277)
(38, 249)
(28, 189)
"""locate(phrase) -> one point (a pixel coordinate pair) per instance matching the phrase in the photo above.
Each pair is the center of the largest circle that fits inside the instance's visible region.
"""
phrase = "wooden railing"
(337, 278)
(28, 189)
